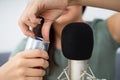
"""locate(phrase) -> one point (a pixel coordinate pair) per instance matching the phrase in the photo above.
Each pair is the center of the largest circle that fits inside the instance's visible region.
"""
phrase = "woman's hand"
(50, 10)
(26, 65)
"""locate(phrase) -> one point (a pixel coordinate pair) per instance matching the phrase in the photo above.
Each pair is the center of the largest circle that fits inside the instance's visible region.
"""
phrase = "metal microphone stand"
(84, 76)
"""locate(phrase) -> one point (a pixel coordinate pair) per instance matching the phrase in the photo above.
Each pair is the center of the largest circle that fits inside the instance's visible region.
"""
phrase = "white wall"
(92, 13)
(10, 34)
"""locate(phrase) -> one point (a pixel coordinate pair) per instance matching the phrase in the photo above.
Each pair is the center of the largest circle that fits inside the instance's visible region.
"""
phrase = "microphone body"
(77, 68)
(77, 45)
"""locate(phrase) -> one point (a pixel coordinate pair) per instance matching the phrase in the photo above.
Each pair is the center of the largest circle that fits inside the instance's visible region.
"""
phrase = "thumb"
(46, 29)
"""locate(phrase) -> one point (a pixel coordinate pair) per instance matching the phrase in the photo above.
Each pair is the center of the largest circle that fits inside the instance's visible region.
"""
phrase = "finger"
(23, 19)
(34, 53)
(25, 29)
(33, 78)
(46, 29)
(33, 72)
(33, 14)
(33, 19)
(31, 24)
(36, 63)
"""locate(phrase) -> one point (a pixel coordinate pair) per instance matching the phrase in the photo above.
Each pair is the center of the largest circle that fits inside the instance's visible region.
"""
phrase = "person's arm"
(114, 26)
(50, 12)
(108, 4)
(26, 65)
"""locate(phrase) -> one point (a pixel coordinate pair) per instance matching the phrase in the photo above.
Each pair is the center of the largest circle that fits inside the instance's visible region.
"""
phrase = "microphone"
(77, 46)
(37, 42)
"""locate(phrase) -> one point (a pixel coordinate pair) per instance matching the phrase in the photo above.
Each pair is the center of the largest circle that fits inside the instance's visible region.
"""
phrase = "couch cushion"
(4, 56)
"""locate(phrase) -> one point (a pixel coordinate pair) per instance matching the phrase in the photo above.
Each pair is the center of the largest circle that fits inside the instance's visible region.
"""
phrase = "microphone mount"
(84, 76)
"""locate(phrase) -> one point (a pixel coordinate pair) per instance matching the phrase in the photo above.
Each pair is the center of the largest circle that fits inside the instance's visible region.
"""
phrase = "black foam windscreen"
(77, 41)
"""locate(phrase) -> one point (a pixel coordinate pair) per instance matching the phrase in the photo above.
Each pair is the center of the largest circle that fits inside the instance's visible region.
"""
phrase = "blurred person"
(106, 41)
(50, 12)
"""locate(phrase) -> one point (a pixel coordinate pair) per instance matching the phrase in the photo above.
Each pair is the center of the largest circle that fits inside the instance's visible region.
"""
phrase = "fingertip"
(46, 37)
(32, 35)
(25, 29)
(29, 33)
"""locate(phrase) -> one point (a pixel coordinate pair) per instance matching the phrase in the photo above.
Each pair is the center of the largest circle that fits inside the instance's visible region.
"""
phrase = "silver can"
(37, 43)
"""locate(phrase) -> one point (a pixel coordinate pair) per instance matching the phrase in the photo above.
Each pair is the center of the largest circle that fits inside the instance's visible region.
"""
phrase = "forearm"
(108, 4)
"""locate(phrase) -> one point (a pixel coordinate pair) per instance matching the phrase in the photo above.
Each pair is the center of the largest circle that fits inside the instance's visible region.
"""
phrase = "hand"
(50, 10)
(27, 65)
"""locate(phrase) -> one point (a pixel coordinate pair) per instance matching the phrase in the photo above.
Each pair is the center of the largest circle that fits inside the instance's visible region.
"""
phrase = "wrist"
(74, 2)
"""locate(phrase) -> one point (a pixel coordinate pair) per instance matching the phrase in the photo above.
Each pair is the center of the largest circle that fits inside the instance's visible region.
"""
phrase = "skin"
(22, 66)
(41, 8)
(71, 14)
(50, 12)
(114, 26)
(25, 62)
(74, 14)
(108, 4)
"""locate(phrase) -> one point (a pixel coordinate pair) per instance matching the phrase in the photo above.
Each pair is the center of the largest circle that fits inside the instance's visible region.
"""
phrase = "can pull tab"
(38, 28)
